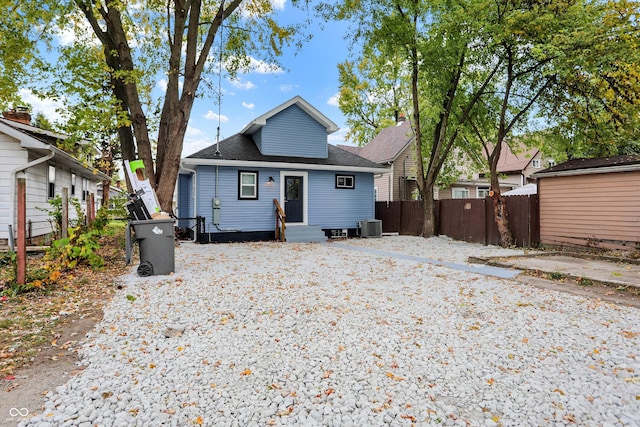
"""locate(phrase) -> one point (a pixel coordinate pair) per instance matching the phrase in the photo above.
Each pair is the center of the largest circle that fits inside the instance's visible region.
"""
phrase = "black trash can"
(157, 250)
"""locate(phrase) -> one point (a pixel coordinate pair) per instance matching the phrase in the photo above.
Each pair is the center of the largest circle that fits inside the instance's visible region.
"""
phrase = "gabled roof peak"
(261, 121)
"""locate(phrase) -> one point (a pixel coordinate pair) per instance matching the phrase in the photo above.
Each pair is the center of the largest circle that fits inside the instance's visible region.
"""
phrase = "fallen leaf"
(245, 372)
(199, 420)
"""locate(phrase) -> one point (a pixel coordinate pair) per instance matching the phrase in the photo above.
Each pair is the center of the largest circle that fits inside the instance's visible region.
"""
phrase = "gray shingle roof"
(595, 163)
(387, 144)
(241, 147)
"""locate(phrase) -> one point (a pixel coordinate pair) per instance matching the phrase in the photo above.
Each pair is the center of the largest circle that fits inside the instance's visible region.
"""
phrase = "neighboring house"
(30, 152)
(114, 191)
(591, 203)
(514, 171)
(393, 146)
(282, 155)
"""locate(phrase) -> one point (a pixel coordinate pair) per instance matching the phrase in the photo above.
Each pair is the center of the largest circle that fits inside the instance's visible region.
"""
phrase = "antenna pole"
(218, 154)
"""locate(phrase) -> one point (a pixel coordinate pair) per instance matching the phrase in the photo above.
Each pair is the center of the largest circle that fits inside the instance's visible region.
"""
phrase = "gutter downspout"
(193, 196)
(14, 173)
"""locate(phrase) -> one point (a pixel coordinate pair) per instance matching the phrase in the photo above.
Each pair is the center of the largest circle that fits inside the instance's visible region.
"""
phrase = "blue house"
(281, 159)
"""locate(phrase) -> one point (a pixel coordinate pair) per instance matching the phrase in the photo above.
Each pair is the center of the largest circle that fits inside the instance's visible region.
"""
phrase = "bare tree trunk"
(429, 227)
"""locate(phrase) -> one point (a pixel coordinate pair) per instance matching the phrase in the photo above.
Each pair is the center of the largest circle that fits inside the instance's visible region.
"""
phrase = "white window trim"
(51, 180)
(346, 177)
(241, 185)
(478, 189)
(464, 189)
(536, 163)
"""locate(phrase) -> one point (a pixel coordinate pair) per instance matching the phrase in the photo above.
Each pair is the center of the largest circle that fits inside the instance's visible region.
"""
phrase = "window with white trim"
(482, 192)
(85, 189)
(346, 181)
(460, 193)
(73, 183)
(51, 178)
(535, 163)
(247, 185)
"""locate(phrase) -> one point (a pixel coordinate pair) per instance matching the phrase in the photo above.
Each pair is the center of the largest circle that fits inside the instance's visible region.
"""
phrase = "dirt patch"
(596, 291)
(41, 333)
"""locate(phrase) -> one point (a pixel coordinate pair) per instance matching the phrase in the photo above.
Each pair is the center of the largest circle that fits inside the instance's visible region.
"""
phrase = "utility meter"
(216, 211)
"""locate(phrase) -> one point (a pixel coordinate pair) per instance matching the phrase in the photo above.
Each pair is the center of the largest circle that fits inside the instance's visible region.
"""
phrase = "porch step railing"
(280, 224)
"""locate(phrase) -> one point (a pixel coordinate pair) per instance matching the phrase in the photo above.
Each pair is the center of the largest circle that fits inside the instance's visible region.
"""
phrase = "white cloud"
(48, 107)
(278, 4)
(287, 88)
(162, 85)
(65, 36)
(238, 83)
(248, 105)
(261, 67)
(337, 138)
(210, 115)
(334, 100)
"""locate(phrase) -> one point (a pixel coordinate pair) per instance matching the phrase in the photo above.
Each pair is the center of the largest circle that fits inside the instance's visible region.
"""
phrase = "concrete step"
(304, 234)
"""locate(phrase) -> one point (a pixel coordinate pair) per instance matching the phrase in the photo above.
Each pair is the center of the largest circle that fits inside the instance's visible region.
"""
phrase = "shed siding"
(294, 133)
(587, 210)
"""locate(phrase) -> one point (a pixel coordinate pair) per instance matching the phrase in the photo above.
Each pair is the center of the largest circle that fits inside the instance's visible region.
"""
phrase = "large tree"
(436, 42)
(177, 40)
(484, 72)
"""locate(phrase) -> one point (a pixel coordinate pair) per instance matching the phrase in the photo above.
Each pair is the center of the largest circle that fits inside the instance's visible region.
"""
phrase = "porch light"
(271, 179)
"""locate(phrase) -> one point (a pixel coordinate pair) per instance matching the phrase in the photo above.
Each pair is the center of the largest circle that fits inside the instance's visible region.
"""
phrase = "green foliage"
(55, 213)
(77, 248)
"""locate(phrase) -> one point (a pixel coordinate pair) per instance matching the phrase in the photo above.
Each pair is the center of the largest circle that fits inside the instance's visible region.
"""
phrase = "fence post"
(22, 225)
(64, 227)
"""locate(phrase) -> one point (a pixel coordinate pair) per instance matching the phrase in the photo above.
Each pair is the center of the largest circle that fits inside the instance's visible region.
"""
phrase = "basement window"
(345, 181)
(247, 185)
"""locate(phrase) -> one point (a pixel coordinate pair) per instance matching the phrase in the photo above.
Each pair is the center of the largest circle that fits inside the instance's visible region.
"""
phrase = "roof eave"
(588, 171)
(280, 165)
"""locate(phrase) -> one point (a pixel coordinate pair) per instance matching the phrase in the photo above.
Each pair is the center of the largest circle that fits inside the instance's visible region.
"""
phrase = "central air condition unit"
(370, 228)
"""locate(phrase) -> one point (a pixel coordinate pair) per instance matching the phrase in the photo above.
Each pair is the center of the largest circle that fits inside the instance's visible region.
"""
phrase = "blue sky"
(310, 72)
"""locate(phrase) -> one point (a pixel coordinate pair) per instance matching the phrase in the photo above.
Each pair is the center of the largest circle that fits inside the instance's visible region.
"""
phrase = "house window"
(551, 163)
(73, 183)
(460, 193)
(345, 181)
(482, 192)
(51, 179)
(247, 185)
(85, 189)
(536, 163)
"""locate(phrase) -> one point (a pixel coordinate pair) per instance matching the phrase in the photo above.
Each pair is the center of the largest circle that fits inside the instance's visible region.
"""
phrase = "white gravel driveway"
(261, 334)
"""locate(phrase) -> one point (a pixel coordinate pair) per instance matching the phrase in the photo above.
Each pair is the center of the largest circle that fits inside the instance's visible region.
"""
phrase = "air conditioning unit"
(370, 228)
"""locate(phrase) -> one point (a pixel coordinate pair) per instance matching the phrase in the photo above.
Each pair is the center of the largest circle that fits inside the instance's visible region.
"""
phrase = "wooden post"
(64, 227)
(92, 201)
(22, 226)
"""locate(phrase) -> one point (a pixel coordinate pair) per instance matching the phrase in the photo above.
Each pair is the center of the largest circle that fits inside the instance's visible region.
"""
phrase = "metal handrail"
(280, 224)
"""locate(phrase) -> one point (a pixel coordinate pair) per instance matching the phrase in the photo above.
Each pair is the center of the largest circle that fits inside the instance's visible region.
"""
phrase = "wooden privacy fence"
(471, 220)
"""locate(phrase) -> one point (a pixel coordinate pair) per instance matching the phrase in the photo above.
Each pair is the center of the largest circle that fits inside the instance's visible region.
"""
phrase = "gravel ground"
(263, 334)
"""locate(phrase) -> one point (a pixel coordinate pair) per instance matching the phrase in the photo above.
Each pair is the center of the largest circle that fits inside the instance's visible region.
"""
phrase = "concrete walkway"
(602, 270)
(488, 270)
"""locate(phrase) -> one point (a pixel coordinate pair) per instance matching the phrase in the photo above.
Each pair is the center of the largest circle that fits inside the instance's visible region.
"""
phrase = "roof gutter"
(282, 165)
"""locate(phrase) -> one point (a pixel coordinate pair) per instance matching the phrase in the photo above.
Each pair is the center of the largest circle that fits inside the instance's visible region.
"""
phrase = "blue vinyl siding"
(294, 133)
(185, 199)
(237, 215)
(330, 207)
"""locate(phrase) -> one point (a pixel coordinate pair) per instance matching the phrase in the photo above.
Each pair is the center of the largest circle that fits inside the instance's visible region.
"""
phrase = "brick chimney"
(18, 114)
(401, 119)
